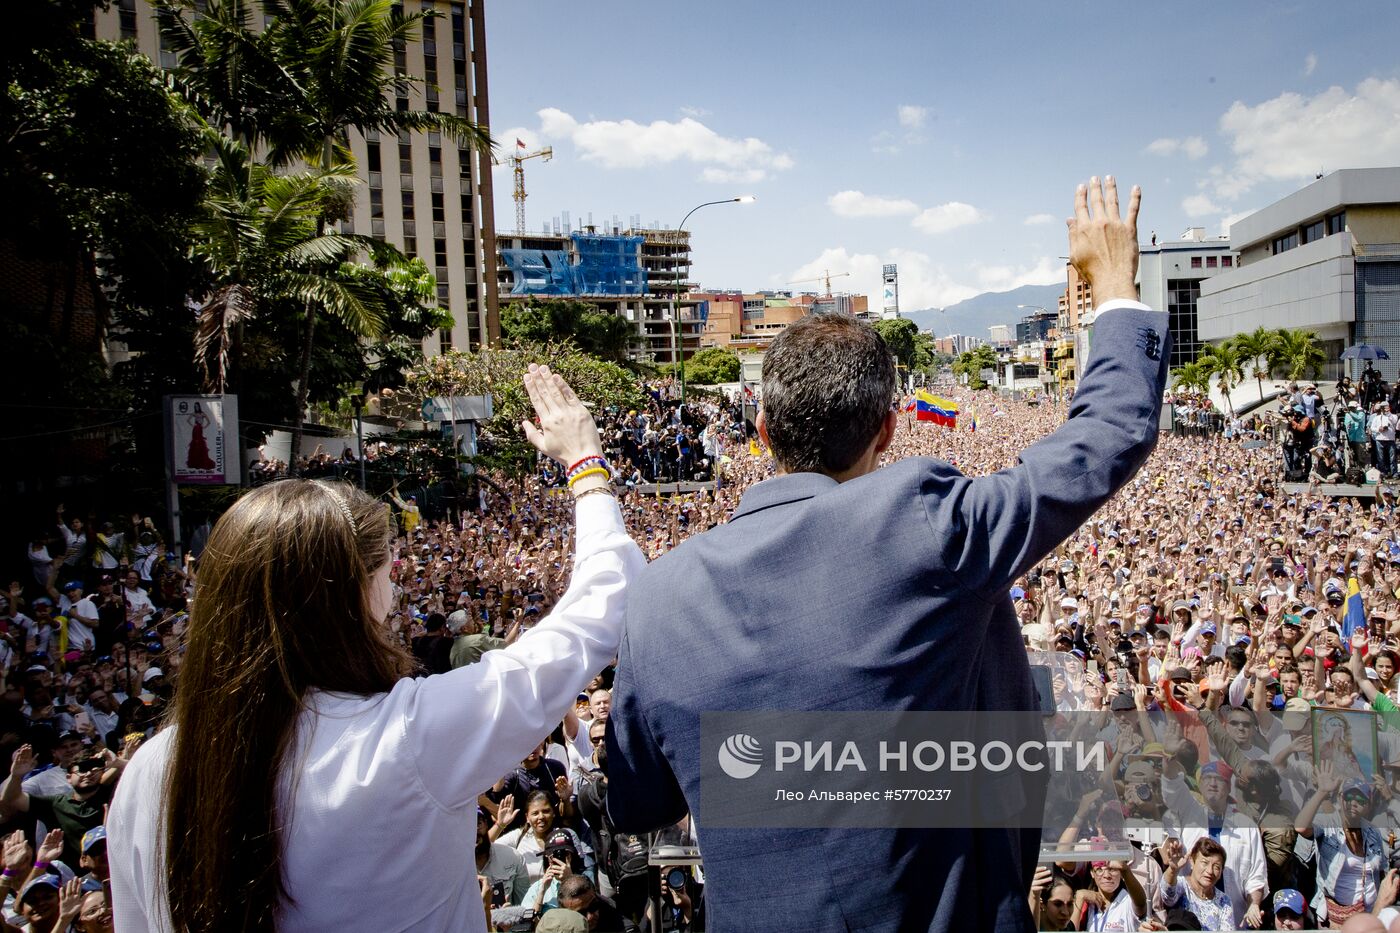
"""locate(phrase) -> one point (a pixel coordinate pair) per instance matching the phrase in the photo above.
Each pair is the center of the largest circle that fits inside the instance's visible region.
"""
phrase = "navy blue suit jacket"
(888, 592)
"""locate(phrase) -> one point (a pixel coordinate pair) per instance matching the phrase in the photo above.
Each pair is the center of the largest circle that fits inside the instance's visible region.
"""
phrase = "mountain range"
(973, 316)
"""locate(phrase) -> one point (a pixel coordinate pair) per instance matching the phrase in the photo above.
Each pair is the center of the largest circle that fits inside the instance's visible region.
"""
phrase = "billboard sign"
(202, 431)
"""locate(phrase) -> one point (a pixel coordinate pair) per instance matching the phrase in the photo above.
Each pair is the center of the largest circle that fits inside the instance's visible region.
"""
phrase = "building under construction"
(635, 273)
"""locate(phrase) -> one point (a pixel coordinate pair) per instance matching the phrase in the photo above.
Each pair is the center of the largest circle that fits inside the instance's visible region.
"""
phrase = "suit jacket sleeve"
(643, 794)
(997, 527)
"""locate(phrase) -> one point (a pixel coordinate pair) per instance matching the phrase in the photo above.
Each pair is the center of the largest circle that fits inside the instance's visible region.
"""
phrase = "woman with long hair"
(304, 780)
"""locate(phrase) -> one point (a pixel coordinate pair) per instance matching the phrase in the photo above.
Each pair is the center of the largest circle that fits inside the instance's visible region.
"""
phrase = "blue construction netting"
(607, 265)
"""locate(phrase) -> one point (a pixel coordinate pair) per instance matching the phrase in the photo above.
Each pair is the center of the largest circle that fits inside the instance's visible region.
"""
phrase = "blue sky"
(944, 137)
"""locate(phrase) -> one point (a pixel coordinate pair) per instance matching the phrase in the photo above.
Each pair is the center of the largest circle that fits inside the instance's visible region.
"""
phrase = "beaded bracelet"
(587, 459)
(9, 873)
(590, 463)
(592, 471)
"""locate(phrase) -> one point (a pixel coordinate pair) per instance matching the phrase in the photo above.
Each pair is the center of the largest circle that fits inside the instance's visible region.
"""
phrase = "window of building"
(1313, 231)
(1283, 244)
(1227, 262)
(372, 158)
(127, 18)
(1182, 295)
(1337, 222)
(410, 246)
(1195, 262)
(376, 204)
(407, 197)
(1210, 262)
(439, 212)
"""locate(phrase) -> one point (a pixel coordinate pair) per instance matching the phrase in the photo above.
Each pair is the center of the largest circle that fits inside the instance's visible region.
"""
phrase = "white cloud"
(1309, 64)
(859, 204)
(947, 217)
(629, 144)
(1193, 147)
(923, 283)
(696, 112)
(1293, 136)
(1045, 271)
(912, 116)
(1036, 220)
(1230, 220)
(1199, 205)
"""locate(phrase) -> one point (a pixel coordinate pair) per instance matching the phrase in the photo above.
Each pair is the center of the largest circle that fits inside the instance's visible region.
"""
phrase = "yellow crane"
(826, 277)
(516, 160)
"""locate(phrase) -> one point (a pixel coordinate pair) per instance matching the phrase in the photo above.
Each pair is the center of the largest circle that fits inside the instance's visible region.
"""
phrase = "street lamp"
(678, 343)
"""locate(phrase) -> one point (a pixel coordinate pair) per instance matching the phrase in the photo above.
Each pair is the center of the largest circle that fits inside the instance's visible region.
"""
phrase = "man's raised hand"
(1103, 246)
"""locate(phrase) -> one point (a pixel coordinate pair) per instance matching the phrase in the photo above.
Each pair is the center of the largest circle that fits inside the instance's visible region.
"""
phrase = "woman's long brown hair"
(281, 607)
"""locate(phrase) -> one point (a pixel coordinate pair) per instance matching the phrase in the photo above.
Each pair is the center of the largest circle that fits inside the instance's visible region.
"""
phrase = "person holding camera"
(561, 862)
(677, 908)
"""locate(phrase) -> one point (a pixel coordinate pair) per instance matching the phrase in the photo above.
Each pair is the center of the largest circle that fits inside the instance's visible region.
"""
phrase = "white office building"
(1325, 258)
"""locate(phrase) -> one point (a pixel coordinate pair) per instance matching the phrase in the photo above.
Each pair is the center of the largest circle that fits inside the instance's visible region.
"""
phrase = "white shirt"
(136, 601)
(386, 785)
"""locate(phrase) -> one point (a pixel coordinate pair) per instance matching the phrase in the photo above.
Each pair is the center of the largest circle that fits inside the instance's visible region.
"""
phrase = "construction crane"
(826, 277)
(517, 162)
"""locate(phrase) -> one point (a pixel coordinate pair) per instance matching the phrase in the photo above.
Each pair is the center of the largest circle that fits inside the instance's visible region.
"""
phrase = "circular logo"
(741, 756)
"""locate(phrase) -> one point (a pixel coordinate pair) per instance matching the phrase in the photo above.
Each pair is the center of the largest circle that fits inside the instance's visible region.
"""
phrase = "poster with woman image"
(1348, 739)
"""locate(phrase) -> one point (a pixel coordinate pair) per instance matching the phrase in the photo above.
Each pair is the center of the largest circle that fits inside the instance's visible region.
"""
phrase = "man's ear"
(760, 423)
(886, 435)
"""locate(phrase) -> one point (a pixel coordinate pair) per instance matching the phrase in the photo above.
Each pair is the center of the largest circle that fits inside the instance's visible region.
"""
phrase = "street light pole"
(678, 341)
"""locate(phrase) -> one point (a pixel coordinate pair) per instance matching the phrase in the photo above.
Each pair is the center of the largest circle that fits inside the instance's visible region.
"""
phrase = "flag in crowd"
(1355, 618)
(935, 408)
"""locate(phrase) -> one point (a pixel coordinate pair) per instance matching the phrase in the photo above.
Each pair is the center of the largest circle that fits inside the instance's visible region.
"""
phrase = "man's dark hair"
(828, 381)
(435, 622)
(575, 886)
(1236, 657)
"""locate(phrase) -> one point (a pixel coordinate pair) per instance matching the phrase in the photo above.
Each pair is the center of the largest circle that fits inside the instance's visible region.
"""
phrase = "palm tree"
(1225, 362)
(258, 239)
(1191, 377)
(320, 69)
(1257, 350)
(1298, 354)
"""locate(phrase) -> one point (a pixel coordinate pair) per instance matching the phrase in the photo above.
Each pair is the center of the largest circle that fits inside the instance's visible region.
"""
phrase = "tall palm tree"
(1257, 350)
(320, 69)
(1225, 362)
(1298, 353)
(258, 239)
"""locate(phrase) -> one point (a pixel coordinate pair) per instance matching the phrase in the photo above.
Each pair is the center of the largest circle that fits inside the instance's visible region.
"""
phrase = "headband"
(343, 506)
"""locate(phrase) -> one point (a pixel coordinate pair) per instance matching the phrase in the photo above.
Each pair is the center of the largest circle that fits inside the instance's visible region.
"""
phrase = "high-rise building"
(635, 274)
(421, 192)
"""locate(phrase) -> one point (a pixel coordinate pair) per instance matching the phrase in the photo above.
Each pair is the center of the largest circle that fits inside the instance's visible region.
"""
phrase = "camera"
(675, 879)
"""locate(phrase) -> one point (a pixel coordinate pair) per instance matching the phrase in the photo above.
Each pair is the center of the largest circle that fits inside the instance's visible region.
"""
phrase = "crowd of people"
(1199, 619)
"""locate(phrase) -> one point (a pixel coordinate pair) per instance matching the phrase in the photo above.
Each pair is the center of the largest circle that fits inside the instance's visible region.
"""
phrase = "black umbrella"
(1365, 351)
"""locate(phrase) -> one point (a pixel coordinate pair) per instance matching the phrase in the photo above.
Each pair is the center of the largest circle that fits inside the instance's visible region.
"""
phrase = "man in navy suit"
(838, 586)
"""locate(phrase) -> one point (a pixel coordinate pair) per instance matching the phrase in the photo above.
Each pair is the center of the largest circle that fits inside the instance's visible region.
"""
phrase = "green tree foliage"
(971, 364)
(499, 372)
(900, 336)
(712, 366)
(317, 70)
(543, 320)
(101, 177)
(1225, 363)
(1191, 377)
(1297, 354)
(1258, 352)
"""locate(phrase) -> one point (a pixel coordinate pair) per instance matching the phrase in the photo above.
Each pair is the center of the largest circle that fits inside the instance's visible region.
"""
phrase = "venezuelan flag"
(1355, 619)
(935, 408)
(972, 420)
